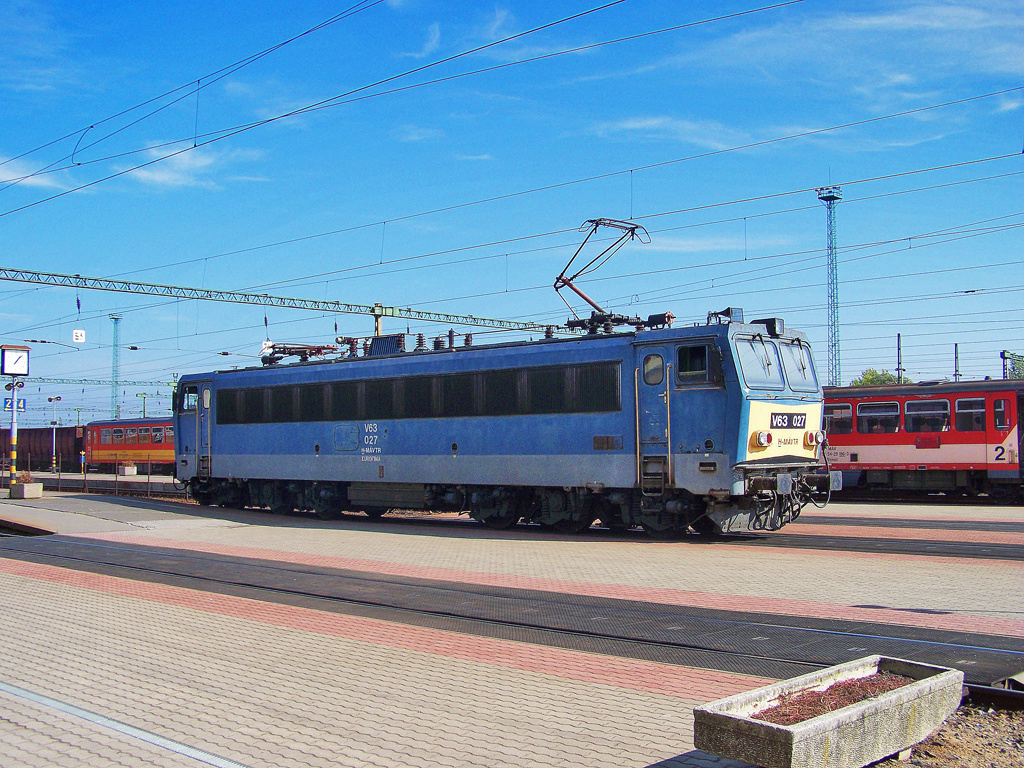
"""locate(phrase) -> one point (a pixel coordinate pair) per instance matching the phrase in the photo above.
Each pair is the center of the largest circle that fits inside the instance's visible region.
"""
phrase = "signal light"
(763, 439)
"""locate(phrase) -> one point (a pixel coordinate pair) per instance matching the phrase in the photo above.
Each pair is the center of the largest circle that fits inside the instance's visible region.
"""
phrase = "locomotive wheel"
(578, 525)
(326, 512)
(662, 534)
(503, 520)
(281, 501)
(661, 526)
(613, 522)
(704, 526)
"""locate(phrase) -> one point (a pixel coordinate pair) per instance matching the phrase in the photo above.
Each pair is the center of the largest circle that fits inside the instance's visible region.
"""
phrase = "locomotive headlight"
(762, 439)
(813, 439)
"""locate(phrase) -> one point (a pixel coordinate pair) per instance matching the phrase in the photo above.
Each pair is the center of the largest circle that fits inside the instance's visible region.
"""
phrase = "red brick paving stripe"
(695, 685)
(776, 606)
(908, 534)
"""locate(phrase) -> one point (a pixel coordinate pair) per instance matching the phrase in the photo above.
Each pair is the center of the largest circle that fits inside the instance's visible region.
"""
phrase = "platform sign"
(8, 404)
(78, 336)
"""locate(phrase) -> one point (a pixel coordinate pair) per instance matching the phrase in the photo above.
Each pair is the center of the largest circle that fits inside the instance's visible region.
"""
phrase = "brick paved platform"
(259, 684)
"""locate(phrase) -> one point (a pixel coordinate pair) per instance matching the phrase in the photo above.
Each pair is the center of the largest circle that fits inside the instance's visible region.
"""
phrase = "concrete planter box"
(26, 490)
(127, 471)
(850, 737)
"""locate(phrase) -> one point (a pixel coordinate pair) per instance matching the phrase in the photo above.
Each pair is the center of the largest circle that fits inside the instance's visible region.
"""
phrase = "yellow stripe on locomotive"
(778, 431)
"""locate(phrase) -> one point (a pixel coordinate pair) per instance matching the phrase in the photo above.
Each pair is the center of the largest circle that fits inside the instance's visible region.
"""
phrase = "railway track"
(766, 645)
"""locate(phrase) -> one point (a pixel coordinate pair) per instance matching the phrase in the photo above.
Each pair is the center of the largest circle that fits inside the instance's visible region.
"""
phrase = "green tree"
(873, 378)
(1015, 370)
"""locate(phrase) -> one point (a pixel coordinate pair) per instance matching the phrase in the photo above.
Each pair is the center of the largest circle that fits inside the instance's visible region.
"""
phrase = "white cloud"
(410, 132)
(432, 43)
(702, 133)
(33, 54)
(20, 173)
(473, 158)
(1010, 104)
(193, 168)
(710, 244)
(495, 27)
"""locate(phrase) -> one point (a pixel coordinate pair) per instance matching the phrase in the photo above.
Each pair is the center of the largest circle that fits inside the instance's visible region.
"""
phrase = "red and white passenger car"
(950, 436)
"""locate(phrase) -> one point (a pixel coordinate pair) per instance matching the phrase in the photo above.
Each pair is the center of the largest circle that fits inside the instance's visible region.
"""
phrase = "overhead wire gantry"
(377, 311)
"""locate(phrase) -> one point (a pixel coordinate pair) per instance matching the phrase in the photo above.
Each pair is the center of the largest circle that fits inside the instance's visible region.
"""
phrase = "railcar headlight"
(763, 439)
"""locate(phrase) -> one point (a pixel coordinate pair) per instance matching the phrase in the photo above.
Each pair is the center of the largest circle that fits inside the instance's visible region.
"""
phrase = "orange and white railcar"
(130, 441)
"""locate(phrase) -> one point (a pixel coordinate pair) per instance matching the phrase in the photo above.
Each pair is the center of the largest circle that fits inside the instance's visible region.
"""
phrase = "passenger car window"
(927, 415)
(131, 436)
(118, 436)
(158, 434)
(1001, 412)
(759, 361)
(104, 437)
(970, 414)
(877, 418)
(839, 419)
(143, 435)
(654, 369)
(796, 359)
(692, 367)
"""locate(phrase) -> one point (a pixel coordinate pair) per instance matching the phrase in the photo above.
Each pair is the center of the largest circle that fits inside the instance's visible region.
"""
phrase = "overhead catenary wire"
(210, 78)
(352, 97)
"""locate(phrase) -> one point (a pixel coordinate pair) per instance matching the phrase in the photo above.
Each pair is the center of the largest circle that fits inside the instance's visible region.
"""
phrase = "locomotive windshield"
(796, 358)
(759, 361)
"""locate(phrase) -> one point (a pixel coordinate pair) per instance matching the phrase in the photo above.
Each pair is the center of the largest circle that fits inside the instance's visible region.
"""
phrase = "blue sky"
(465, 195)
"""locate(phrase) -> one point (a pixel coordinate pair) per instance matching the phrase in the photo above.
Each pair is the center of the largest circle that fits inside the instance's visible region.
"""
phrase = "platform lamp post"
(53, 455)
(14, 363)
(143, 395)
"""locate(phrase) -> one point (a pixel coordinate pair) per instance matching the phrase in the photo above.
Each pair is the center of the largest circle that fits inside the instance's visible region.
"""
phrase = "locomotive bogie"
(648, 429)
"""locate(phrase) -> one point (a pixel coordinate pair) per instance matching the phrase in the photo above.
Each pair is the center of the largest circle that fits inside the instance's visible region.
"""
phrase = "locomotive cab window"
(1001, 413)
(839, 419)
(927, 415)
(189, 397)
(654, 370)
(970, 414)
(692, 365)
(878, 418)
(759, 361)
(796, 359)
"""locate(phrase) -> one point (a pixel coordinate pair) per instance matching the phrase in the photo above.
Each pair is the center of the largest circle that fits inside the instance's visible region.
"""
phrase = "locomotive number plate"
(789, 421)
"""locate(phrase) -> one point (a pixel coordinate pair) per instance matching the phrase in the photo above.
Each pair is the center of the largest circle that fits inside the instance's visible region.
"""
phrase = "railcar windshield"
(796, 359)
(759, 361)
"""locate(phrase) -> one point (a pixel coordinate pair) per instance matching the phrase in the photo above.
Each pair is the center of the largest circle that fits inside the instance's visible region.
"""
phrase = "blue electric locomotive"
(716, 427)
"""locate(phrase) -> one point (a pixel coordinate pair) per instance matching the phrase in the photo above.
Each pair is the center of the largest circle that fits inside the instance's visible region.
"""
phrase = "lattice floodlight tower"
(830, 196)
(115, 368)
